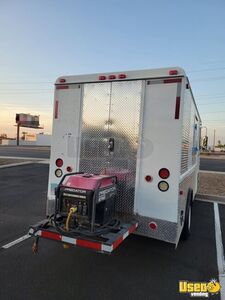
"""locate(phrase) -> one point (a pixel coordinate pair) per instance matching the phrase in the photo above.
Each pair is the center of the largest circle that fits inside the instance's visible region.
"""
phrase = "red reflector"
(117, 242)
(51, 235)
(177, 108)
(102, 77)
(153, 225)
(181, 192)
(89, 244)
(148, 178)
(69, 169)
(112, 76)
(56, 109)
(122, 76)
(59, 162)
(164, 173)
(132, 229)
(174, 80)
(62, 80)
(173, 72)
(62, 87)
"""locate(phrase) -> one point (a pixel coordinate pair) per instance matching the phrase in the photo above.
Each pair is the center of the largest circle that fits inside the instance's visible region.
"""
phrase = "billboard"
(27, 120)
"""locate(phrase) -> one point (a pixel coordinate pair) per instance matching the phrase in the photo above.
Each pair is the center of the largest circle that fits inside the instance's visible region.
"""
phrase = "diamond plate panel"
(94, 131)
(112, 111)
(124, 128)
(166, 231)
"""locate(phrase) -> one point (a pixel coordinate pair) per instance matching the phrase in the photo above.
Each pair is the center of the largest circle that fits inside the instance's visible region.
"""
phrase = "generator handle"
(59, 185)
(94, 199)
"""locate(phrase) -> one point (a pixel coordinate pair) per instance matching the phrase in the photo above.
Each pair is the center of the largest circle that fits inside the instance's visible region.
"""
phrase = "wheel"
(188, 214)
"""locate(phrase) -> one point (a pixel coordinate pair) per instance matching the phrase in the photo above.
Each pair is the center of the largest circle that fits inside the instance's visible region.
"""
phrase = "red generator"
(90, 199)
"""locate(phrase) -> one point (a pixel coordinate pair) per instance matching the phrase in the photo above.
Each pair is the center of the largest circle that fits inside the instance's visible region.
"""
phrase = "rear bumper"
(107, 243)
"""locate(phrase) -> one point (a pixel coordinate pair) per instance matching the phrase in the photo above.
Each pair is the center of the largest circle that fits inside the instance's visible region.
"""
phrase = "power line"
(212, 112)
(206, 70)
(210, 97)
(208, 103)
(208, 78)
(223, 121)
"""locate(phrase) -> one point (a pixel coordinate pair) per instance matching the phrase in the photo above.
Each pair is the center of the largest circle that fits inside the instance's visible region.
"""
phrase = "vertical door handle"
(111, 145)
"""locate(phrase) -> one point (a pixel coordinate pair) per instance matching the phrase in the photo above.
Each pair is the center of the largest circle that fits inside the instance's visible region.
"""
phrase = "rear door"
(109, 134)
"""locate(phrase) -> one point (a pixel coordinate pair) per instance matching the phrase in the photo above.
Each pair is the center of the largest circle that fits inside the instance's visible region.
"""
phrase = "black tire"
(188, 215)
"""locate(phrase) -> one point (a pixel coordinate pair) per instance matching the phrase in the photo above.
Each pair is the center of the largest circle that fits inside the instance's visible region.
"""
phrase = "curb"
(210, 198)
(211, 172)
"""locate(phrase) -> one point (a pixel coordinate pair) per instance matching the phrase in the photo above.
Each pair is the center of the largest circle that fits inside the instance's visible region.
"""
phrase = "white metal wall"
(160, 148)
(66, 133)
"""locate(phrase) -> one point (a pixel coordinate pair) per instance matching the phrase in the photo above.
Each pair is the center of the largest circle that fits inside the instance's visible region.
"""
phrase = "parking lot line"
(219, 251)
(17, 241)
(16, 164)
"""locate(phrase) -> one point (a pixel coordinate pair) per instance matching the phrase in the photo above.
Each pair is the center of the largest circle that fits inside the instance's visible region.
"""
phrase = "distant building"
(30, 140)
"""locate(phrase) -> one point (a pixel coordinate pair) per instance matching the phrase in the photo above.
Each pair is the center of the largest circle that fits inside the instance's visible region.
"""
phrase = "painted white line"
(16, 164)
(219, 251)
(47, 162)
(17, 241)
(25, 158)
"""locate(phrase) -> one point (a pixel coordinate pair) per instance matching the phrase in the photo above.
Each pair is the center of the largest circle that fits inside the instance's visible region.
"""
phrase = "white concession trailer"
(143, 127)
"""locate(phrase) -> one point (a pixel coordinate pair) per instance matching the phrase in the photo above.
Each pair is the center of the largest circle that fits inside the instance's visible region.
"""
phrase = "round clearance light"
(153, 225)
(122, 76)
(58, 172)
(102, 77)
(69, 169)
(173, 72)
(59, 162)
(148, 178)
(164, 173)
(163, 186)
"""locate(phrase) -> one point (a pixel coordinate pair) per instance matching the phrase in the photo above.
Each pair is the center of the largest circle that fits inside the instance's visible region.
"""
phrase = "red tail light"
(59, 162)
(164, 173)
(62, 80)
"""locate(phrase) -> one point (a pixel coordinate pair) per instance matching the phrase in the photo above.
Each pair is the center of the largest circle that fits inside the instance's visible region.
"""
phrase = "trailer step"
(107, 243)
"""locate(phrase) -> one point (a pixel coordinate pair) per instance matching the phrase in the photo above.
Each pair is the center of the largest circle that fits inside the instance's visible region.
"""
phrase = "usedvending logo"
(199, 289)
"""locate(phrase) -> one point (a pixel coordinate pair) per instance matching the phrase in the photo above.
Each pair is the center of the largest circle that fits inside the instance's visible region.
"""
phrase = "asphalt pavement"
(141, 268)
(25, 151)
(210, 164)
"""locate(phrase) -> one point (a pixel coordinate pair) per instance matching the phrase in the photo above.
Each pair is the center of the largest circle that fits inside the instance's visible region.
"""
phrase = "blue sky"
(41, 40)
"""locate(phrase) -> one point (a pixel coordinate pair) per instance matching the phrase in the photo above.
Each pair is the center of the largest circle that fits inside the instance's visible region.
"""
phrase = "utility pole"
(214, 139)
